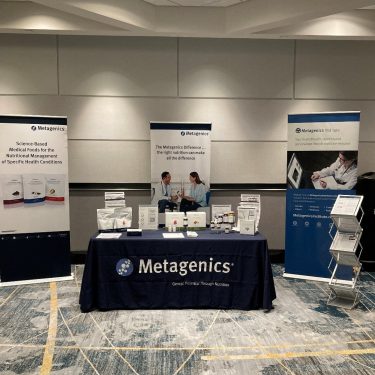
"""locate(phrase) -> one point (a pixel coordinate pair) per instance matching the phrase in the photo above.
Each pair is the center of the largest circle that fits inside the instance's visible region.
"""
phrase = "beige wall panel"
(366, 157)
(129, 118)
(248, 162)
(233, 120)
(28, 64)
(109, 161)
(129, 162)
(43, 105)
(118, 66)
(236, 68)
(335, 69)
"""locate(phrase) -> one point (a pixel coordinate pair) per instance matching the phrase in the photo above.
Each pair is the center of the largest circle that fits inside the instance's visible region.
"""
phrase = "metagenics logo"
(298, 130)
(182, 133)
(124, 267)
(33, 128)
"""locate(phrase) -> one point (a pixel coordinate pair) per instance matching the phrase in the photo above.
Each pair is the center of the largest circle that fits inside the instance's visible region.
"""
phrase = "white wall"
(112, 87)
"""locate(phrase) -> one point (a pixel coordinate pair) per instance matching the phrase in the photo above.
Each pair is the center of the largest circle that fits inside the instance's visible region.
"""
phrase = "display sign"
(34, 197)
(321, 163)
(180, 148)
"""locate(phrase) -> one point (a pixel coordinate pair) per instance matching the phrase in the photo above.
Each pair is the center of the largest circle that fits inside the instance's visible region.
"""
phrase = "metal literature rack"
(345, 249)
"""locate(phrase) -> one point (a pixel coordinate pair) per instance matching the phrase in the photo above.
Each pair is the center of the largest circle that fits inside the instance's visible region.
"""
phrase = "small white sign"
(220, 209)
(148, 217)
(250, 198)
(114, 199)
(173, 235)
(108, 235)
(347, 205)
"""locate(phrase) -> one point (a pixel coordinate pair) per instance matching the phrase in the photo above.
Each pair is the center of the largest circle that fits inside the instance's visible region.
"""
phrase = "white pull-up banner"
(180, 148)
(34, 198)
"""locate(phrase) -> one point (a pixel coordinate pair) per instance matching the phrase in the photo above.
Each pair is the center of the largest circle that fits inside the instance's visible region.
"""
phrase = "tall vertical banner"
(34, 199)
(180, 148)
(321, 163)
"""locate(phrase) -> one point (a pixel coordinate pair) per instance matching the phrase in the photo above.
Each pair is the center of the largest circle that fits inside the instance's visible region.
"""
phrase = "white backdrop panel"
(335, 70)
(248, 162)
(366, 157)
(236, 68)
(28, 64)
(118, 66)
(109, 161)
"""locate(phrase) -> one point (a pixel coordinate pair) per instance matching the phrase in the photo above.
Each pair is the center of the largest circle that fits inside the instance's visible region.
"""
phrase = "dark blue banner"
(322, 162)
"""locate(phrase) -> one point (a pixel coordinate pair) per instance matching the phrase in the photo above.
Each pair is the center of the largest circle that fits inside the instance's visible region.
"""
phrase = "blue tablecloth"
(221, 271)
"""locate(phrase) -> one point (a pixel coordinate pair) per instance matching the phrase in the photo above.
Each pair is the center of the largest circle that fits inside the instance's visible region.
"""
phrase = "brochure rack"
(345, 249)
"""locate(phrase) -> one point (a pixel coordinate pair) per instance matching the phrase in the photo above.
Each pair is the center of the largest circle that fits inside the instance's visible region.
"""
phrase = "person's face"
(344, 161)
(192, 179)
(167, 179)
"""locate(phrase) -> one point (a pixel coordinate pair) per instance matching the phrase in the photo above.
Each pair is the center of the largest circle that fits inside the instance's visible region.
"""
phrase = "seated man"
(163, 195)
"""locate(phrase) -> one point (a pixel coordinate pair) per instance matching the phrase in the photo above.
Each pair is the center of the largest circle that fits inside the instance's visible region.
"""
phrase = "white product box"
(247, 227)
(174, 219)
(196, 219)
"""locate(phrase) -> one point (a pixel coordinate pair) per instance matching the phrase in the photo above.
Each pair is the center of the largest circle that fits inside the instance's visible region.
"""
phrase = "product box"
(174, 219)
(196, 220)
(148, 217)
(247, 227)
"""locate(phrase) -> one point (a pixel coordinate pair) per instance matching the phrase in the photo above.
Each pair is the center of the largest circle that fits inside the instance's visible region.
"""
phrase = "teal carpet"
(42, 331)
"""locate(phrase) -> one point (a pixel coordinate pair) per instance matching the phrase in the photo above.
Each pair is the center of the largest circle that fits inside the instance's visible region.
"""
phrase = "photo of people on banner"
(190, 198)
(180, 165)
(333, 170)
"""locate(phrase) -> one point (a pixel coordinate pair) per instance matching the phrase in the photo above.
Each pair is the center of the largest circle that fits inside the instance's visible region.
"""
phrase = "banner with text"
(34, 197)
(321, 163)
(179, 148)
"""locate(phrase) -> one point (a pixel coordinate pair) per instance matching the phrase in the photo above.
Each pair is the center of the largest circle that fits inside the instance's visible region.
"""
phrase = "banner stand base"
(36, 281)
(314, 278)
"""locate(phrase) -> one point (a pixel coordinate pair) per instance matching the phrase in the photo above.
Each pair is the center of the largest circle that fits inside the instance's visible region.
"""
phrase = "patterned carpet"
(42, 331)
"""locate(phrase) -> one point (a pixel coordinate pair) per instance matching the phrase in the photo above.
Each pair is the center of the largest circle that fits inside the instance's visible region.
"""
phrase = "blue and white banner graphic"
(180, 149)
(322, 162)
(34, 198)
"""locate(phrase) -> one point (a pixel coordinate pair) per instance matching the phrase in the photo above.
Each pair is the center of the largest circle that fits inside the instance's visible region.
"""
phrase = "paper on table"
(108, 235)
(173, 235)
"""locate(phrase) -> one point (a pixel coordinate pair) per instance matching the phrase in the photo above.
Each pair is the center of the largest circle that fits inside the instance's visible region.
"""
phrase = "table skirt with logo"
(218, 271)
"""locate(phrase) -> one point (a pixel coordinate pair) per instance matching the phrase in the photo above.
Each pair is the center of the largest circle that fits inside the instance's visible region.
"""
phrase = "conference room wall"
(111, 87)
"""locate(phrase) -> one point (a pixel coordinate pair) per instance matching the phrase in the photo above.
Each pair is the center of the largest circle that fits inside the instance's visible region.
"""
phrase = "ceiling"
(289, 19)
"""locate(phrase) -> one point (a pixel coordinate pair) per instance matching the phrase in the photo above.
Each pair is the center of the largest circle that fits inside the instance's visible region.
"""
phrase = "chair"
(206, 209)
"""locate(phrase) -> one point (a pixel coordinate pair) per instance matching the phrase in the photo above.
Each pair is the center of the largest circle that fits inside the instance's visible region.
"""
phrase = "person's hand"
(323, 184)
(315, 176)
(174, 198)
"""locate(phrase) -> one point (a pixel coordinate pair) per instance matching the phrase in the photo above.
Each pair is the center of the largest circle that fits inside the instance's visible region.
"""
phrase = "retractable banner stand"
(322, 163)
(180, 148)
(34, 199)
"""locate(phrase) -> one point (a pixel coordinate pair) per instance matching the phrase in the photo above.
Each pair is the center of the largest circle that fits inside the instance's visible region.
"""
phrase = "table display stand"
(345, 249)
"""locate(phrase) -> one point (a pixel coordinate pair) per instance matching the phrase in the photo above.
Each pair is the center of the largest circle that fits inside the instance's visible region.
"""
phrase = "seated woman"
(197, 196)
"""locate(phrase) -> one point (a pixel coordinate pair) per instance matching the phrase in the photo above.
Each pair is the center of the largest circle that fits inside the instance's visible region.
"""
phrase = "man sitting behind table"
(163, 194)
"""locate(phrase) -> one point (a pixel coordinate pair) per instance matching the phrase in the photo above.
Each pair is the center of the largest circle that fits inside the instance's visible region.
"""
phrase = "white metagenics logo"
(184, 267)
(124, 267)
